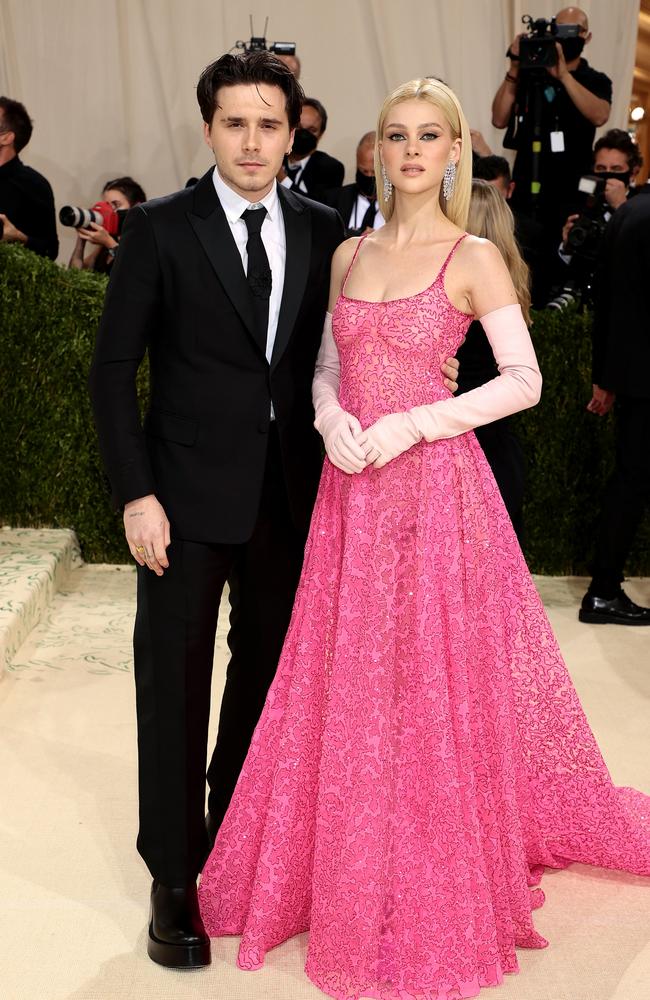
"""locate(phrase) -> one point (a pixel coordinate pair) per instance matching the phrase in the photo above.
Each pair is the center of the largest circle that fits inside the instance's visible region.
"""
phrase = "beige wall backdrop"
(110, 83)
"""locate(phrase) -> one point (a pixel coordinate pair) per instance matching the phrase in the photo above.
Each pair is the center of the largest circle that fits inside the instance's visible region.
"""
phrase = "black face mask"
(304, 142)
(365, 184)
(572, 47)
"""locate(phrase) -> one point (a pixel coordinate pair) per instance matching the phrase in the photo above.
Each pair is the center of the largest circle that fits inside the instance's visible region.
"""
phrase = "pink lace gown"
(422, 753)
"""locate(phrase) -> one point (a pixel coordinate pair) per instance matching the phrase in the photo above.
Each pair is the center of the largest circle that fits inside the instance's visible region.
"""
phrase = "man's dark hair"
(618, 138)
(248, 67)
(128, 187)
(490, 168)
(313, 102)
(16, 120)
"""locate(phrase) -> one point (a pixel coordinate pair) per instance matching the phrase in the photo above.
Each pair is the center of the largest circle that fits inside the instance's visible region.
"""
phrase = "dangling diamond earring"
(388, 187)
(448, 180)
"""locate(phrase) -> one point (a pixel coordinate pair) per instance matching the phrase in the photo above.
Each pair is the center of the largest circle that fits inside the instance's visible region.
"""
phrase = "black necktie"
(259, 272)
(292, 172)
(368, 221)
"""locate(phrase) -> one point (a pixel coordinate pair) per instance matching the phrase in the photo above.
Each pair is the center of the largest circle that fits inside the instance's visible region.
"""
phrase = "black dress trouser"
(626, 495)
(174, 639)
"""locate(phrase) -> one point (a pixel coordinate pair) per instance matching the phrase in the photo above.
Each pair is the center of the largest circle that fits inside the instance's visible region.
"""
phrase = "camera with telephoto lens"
(583, 243)
(102, 213)
(257, 43)
(537, 48)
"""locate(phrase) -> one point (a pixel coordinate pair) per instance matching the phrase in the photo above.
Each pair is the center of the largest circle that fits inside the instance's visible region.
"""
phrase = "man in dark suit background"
(621, 374)
(225, 284)
(307, 169)
(357, 203)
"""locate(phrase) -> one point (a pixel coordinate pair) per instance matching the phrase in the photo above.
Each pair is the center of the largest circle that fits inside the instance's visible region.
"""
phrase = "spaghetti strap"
(354, 257)
(441, 272)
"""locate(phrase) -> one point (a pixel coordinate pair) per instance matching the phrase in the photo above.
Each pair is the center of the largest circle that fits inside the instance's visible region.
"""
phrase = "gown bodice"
(391, 352)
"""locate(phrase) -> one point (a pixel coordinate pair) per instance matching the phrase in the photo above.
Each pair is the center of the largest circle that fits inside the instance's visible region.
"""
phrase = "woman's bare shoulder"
(478, 252)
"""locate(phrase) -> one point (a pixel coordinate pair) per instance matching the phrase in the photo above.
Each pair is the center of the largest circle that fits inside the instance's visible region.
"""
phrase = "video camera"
(257, 43)
(102, 213)
(537, 49)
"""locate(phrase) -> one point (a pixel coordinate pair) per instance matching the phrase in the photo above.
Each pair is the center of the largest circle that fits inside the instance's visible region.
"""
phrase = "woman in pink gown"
(422, 754)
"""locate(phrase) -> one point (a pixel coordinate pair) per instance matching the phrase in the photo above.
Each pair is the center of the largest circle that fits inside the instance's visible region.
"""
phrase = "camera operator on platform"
(621, 334)
(357, 203)
(26, 201)
(575, 100)
(121, 194)
(307, 169)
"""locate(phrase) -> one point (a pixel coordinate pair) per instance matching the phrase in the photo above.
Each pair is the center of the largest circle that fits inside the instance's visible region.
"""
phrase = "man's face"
(293, 64)
(611, 161)
(6, 136)
(503, 186)
(249, 136)
(366, 159)
(311, 120)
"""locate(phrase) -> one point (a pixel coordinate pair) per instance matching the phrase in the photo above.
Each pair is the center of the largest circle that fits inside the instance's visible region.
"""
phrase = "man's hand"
(147, 531)
(450, 371)
(98, 235)
(615, 193)
(514, 44)
(9, 232)
(568, 226)
(601, 401)
(559, 71)
(479, 145)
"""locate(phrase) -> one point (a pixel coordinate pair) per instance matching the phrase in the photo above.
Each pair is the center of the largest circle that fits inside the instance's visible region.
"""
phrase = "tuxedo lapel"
(209, 222)
(297, 228)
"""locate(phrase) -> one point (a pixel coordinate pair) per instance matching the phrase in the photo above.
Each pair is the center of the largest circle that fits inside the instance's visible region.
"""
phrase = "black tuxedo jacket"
(322, 173)
(178, 290)
(621, 333)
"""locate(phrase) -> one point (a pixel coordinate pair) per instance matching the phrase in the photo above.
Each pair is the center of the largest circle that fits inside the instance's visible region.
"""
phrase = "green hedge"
(50, 472)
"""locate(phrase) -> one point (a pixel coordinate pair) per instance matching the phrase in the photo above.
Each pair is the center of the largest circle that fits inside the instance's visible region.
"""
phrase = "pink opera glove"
(517, 387)
(337, 427)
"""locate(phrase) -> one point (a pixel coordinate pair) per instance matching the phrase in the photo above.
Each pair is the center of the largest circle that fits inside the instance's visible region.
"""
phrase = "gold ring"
(139, 548)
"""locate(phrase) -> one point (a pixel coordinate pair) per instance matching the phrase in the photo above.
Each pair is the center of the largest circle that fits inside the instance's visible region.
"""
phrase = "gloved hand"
(388, 437)
(337, 427)
(517, 386)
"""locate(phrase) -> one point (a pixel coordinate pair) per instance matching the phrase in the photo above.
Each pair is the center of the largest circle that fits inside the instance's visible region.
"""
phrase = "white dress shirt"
(361, 206)
(273, 238)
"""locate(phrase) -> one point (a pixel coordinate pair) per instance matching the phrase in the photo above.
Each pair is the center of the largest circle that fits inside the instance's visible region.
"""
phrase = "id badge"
(557, 142)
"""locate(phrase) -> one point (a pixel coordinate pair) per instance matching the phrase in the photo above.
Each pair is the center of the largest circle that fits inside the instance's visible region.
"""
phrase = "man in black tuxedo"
(307, 169)
(225, 284)
(620, 333)
(357, 203)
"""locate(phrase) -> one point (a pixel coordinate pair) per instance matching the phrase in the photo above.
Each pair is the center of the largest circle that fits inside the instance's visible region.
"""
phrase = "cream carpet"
(74, 892)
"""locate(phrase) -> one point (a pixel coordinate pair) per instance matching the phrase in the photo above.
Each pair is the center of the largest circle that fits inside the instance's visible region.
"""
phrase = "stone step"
(34, 563)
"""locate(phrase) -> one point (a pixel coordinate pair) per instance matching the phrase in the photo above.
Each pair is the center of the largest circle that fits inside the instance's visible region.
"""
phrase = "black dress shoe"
(619, 610)
(177, 937)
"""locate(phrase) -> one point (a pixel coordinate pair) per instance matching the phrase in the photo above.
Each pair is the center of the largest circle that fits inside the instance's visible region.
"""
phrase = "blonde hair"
(438, 93)
(491, 218)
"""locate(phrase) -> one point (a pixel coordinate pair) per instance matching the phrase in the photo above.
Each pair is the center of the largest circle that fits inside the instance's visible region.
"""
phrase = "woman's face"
(116, 199)
(416, 146)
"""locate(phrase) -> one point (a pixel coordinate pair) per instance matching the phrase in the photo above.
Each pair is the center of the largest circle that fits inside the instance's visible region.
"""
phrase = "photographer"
(614, 154)
(26, 201)
(574, 100)
(306, 169)
(357, 203)
(121, 194)
(621, 375)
